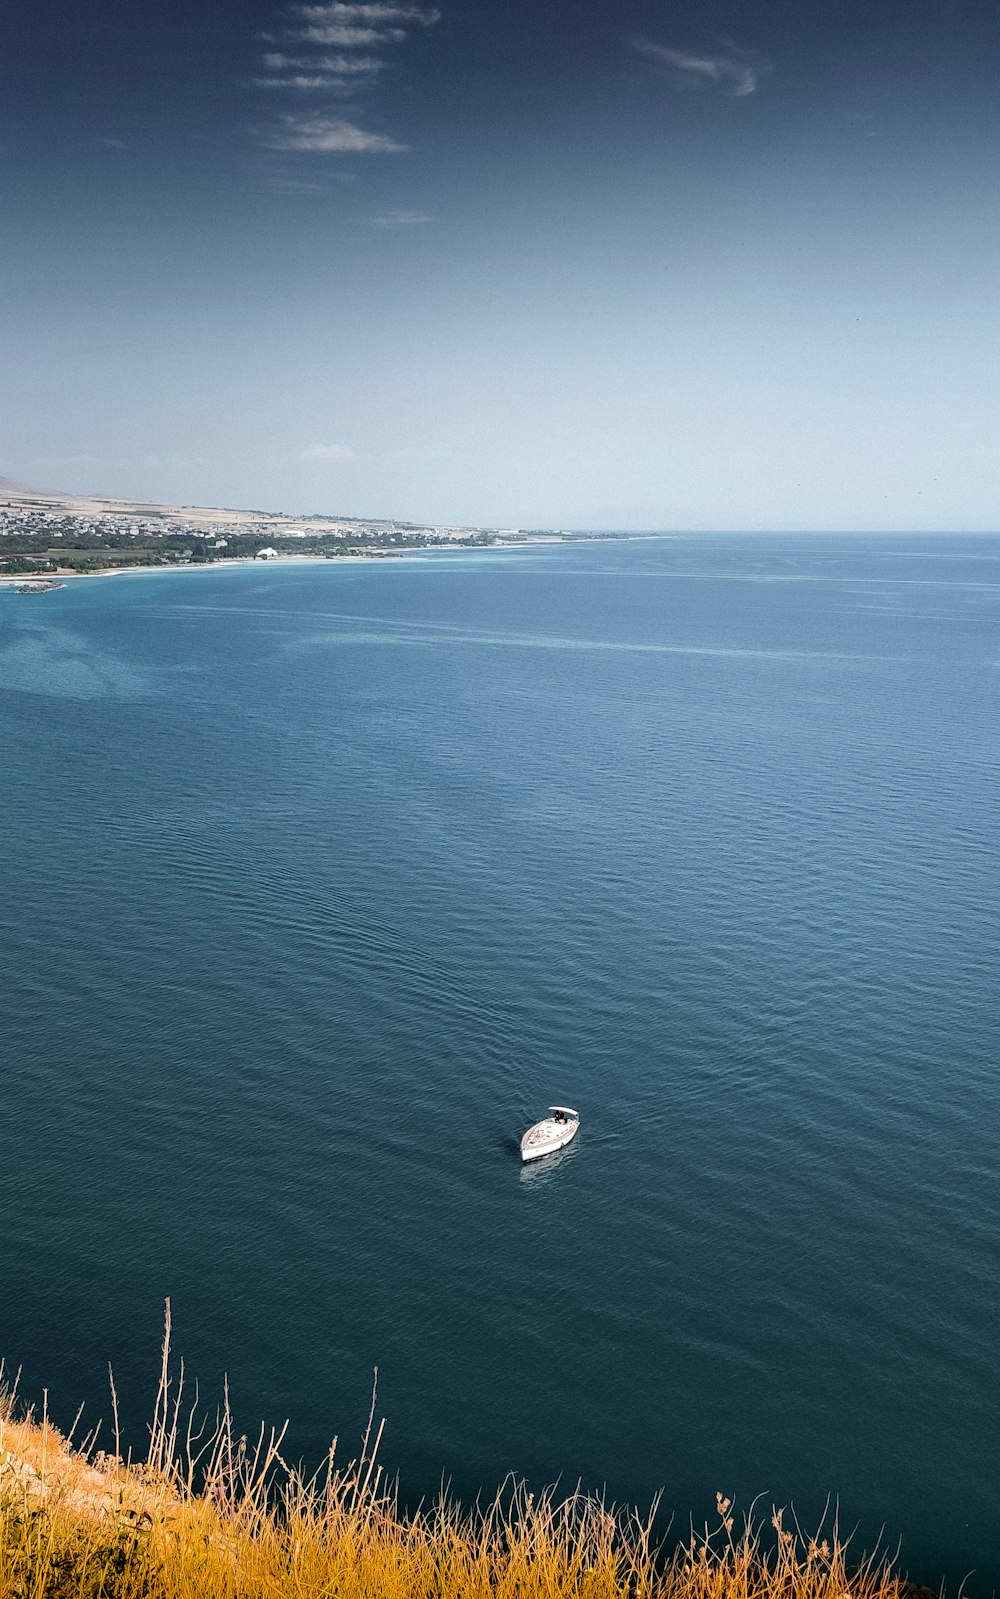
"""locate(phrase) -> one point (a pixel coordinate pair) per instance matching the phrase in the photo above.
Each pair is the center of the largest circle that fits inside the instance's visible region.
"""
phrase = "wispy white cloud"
(734, 71)
(326, 53)
(368, 14)
(348, 35)
(333, 135)
(327, 452)
(339, 74)
(301, 83)
(399, 219)
(339, 66)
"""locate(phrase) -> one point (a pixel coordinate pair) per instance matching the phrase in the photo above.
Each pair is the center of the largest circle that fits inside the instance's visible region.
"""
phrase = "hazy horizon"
(8, 485)
(717, 267)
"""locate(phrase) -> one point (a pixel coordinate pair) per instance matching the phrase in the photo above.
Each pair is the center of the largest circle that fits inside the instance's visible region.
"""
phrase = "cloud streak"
(733, 72)
(339, 74)
(332, 135)
(399, 219)
(327, 452)
(348, 36)
(368, 15)
(335, 52)
(339, 66)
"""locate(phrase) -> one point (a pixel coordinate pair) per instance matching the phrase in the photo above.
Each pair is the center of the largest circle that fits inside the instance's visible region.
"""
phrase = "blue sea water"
(321, 882)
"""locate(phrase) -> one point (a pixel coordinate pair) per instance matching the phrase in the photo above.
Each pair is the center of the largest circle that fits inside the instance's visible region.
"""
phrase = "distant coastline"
(49, 534)
(46, 580)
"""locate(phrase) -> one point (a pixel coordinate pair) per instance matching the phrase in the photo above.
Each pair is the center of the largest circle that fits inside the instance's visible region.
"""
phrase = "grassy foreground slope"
(209, 1515)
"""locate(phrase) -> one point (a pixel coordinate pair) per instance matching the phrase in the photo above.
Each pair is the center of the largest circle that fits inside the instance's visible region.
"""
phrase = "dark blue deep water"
(320, 882)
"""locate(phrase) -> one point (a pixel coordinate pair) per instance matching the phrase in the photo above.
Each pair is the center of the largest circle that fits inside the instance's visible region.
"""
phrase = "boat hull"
(545, 1137)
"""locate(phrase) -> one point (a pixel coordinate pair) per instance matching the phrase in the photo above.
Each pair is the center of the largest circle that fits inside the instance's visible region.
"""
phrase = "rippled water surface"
(321, 882)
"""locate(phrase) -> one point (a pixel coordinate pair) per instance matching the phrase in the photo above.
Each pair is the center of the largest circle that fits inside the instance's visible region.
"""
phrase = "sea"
(321, 881)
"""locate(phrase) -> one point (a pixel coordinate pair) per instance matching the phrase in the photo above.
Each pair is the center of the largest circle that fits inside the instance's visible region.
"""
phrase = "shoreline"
(66, 574)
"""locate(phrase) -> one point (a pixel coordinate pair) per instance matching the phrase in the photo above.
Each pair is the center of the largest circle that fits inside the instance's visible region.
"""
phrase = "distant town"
(47, 534)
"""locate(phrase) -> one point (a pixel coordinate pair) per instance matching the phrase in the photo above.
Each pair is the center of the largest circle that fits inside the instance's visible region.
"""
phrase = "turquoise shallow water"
(320, 883)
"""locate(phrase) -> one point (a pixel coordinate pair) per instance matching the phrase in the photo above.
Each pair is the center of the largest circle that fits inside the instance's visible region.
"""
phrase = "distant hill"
(20, 492)
(16, 496)
(20, 496)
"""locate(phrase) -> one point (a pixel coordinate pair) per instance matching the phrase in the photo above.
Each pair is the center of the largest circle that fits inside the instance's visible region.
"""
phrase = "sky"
(605, 264)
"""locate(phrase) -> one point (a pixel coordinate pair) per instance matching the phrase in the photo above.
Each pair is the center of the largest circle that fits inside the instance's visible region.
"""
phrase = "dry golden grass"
(218, 1517)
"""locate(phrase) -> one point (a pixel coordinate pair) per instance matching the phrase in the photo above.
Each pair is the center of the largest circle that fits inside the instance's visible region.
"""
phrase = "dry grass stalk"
(213, 1515)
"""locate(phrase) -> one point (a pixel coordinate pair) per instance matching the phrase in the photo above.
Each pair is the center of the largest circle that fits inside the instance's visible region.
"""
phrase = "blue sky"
(732, 265)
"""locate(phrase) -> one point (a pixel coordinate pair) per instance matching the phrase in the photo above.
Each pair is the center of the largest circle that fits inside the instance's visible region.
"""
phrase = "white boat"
(546, 1136)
